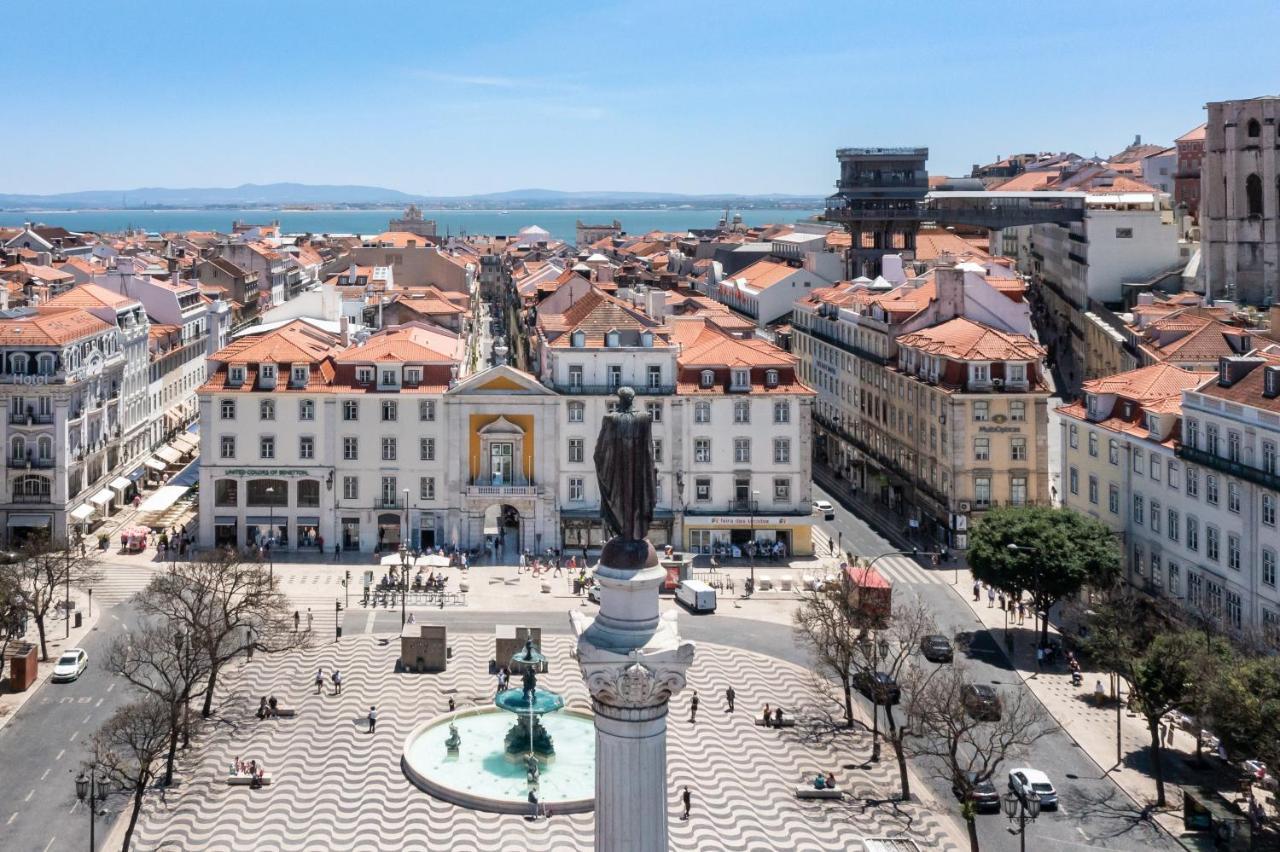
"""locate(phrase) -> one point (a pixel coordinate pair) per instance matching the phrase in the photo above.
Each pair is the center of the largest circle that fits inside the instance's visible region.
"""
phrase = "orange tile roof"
(51, 325)
(965, 340)
(295, 343)
(1248, 390)
(704, 344)
(933, 243)
(764, 273)
(92, 296)
(1195, 134)
(409, 345)
(1148, 384)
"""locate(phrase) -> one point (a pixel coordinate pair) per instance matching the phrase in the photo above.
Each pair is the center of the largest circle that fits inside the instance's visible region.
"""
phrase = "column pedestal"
(633, 661)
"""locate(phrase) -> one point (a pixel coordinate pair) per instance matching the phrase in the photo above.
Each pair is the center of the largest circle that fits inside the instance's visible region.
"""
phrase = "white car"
(1025, 781)
(71, 664)
(824, 506)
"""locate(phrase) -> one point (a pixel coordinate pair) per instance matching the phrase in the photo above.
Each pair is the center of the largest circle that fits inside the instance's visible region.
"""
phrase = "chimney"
(344, 331)
(351, 274)
(657, 304)
(949, 283)
(44, 258)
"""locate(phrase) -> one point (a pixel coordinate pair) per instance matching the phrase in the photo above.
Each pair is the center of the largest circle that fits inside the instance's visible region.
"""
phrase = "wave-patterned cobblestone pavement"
(334, 786)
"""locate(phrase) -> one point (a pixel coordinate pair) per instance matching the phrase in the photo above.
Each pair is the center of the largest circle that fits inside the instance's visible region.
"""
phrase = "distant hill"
(298, 194)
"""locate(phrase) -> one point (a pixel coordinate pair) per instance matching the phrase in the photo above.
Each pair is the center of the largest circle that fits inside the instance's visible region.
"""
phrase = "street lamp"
(879, 648)
(751, 545)
(271, 529)
(87, 786)
(404, 582)
(1022, 810)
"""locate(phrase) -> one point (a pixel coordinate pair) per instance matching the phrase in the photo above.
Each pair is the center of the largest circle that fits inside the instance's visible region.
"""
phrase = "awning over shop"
(103, 497)
(169, 454)
(29, 520)
(163, 498)
(83, 513)
(120, 483)
(185, 443)
(155, 464)
(135, 475)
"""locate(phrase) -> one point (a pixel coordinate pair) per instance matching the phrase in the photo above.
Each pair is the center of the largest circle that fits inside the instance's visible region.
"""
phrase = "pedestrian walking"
(991, 597)
(319, 680)
(337, 550)
(1022, 611)
(1000, 597)
(373, 718)
(693, 707)
(728, 697)
(1040, 659)
(1099, 693)
(297, 620)
(337, 682)
(687, 799)
(310, 618)
(977, 590)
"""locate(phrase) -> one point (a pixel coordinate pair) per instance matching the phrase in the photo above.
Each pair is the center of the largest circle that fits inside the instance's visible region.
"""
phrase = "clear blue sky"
(693, 97)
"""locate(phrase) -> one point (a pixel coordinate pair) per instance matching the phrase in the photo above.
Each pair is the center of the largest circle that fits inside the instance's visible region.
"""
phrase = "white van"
(697, 596)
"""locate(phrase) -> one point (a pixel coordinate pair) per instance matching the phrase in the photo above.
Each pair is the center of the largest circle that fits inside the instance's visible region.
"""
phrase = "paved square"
(336, 787)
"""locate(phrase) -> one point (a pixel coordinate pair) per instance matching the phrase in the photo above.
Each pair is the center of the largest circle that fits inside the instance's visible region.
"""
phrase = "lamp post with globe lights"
(1022, 810)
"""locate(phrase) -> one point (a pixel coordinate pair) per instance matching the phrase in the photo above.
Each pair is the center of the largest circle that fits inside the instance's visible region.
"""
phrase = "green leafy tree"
(1055, 553)
(1244, 702)
(1161, 678)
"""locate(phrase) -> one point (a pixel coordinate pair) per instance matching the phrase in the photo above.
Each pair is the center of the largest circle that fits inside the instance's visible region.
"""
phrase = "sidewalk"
(1092, 728)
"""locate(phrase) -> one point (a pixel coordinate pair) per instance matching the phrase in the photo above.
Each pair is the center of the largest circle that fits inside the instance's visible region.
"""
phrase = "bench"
(282, 712)
(815, 793)
(785, 723)
(245, 780)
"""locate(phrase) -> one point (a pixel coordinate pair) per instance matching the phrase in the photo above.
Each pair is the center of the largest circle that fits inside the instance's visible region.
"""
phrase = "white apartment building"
(75, 382)
(372, 441)
(1183, 466)
(1125, 237)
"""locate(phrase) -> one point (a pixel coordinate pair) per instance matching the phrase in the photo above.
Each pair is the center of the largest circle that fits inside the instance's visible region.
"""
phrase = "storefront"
(226, 531)
(307, 531)
(720, 534)
(584, 528)
(22, 527)
(260, 530)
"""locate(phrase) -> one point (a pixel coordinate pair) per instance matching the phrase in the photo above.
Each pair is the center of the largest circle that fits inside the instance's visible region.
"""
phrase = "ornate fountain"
(529, 704)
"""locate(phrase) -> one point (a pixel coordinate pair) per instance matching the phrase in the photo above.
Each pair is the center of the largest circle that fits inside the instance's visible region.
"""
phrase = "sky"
(691, 97)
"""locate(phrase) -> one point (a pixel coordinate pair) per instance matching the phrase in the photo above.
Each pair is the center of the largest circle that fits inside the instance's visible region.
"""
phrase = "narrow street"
(1094, 813)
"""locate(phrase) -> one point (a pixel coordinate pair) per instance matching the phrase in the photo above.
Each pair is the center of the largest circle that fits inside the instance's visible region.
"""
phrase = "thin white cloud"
(472, 80)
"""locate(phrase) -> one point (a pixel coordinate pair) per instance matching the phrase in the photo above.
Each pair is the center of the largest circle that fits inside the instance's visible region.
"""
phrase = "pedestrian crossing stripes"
(118, 583)
(903, 569)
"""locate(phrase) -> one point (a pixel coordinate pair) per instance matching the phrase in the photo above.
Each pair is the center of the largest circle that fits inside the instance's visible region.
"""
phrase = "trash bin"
(77, 624)
(339, 631)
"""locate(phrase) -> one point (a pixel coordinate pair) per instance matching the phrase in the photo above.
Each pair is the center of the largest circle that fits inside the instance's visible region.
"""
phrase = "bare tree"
(823, 625)
(220, 602)
(129, 749)
(40, 577)
(890, 652)
(959, 748)
(161, 661)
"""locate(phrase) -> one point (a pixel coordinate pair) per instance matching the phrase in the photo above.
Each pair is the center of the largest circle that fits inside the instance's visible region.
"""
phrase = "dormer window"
(301, 375)
(235, 376)
(741, 379)
(267, 375)
(771, 378)
(44, 363)
(413, 376)
(1092, 406)
(707, 379)
(1153, 425)
(612, 338)
(646, 339)
(1016, 373)
(364, 375)
(980, 374)
(578, 339)
(388, 378)
(18, 363)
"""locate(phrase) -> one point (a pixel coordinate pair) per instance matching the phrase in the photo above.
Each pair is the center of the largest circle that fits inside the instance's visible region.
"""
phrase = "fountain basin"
(482, 776)
(544, 701)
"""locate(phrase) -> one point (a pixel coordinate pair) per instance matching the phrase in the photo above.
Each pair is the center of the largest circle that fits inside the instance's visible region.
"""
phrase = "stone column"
(633, 661)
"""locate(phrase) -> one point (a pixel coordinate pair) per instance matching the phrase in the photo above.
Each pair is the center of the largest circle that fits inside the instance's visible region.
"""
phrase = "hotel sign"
(999, 429)
(267, 471)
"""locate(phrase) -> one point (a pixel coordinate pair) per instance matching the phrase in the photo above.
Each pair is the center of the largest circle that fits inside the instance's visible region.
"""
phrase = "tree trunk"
(972, 824)
(44, 646)
(208, 694)
(174, 727)
(1153, 725)
(848, 703)
(1044, 623)
(139, 790)
(895, 739)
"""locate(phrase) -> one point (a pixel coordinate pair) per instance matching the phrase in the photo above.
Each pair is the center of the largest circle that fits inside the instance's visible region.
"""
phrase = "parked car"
(884, 686)
(1024, 782)
(982, 701)
(824, 506)
(937, 648)
(9, 557)
(982, 794)
(593, 592)
(70, 665)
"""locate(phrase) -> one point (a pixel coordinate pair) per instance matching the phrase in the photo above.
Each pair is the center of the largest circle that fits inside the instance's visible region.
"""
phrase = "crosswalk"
(120, 582)
(902, 569)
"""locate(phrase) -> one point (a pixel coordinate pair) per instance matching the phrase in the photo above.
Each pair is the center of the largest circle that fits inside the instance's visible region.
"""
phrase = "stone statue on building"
(624, 467)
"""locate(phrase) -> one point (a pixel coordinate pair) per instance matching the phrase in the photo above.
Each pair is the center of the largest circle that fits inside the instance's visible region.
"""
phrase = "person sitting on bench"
(767, 717)
(831, 780)
(819, 782)
(777, 717)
